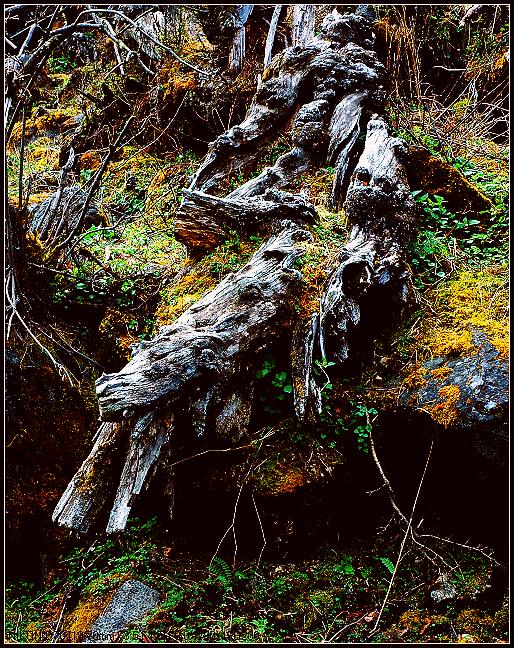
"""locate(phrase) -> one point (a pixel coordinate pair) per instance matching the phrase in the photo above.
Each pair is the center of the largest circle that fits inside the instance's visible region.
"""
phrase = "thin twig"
(22, 156)
(57, 627)
(94, 185)
(406, 535)
(149, 36)
(262, 531)
(61, 369)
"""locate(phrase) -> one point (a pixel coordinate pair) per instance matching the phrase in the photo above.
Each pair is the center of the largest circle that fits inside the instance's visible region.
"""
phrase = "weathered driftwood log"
(211, 340)
(371, 266)
(200, 364)
(327, 68)
(337, 82)
(204, 221)
(203, 364)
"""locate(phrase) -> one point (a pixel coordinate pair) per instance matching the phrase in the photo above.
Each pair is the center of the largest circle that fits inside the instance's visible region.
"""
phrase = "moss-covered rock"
(435, 176)
(464, 391)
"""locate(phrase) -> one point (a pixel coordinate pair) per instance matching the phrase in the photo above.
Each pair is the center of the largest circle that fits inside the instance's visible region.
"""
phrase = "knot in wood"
(250, 292)
(207, 357)
(362, 176)
(274, 253)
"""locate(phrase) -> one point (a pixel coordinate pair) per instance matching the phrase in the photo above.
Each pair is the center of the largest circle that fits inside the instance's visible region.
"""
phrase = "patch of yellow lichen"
(499, 64)
(36, 198)
(161, 188)
(87, 480)
(444, 342)
(157, 177)
(416, 377)
(179, 298)
(474, 300)
(79, 622)
(314, 275)
(42, 155)
(445, 412)
(51, 120)
(440, 373)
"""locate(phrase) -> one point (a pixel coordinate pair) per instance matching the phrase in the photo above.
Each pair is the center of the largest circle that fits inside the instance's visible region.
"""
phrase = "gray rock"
(483, 380)
(446, 591)
(129, 604)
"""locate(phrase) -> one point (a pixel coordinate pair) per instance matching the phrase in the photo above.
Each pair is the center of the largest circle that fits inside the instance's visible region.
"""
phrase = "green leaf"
(387, 563)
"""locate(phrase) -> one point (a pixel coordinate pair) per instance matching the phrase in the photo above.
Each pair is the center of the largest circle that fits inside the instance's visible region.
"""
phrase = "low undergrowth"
(335, 596)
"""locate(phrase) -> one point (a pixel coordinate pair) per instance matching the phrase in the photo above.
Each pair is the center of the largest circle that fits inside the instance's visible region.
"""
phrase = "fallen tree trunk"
(327, 68)
(197, 365)
(371, 266)
(204, 221)
(204, 364)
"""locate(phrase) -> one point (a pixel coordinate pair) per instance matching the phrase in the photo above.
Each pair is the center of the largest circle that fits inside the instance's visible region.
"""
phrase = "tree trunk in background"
(303, 24)
(237, 54)
(270, 39)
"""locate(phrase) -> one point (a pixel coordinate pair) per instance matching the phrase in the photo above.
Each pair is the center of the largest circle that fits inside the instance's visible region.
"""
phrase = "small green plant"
(276, 385)
(60, 64)
(221, 573)
(358, 422)
(345, 566)
(362, 425)
(92, 567)
(388, 564)
(448, 238)
(261, 625)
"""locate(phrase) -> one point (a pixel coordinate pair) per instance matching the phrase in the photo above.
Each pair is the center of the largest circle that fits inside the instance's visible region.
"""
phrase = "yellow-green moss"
(435, 176)
(52, 119)
(79, 622)
(473, 300)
